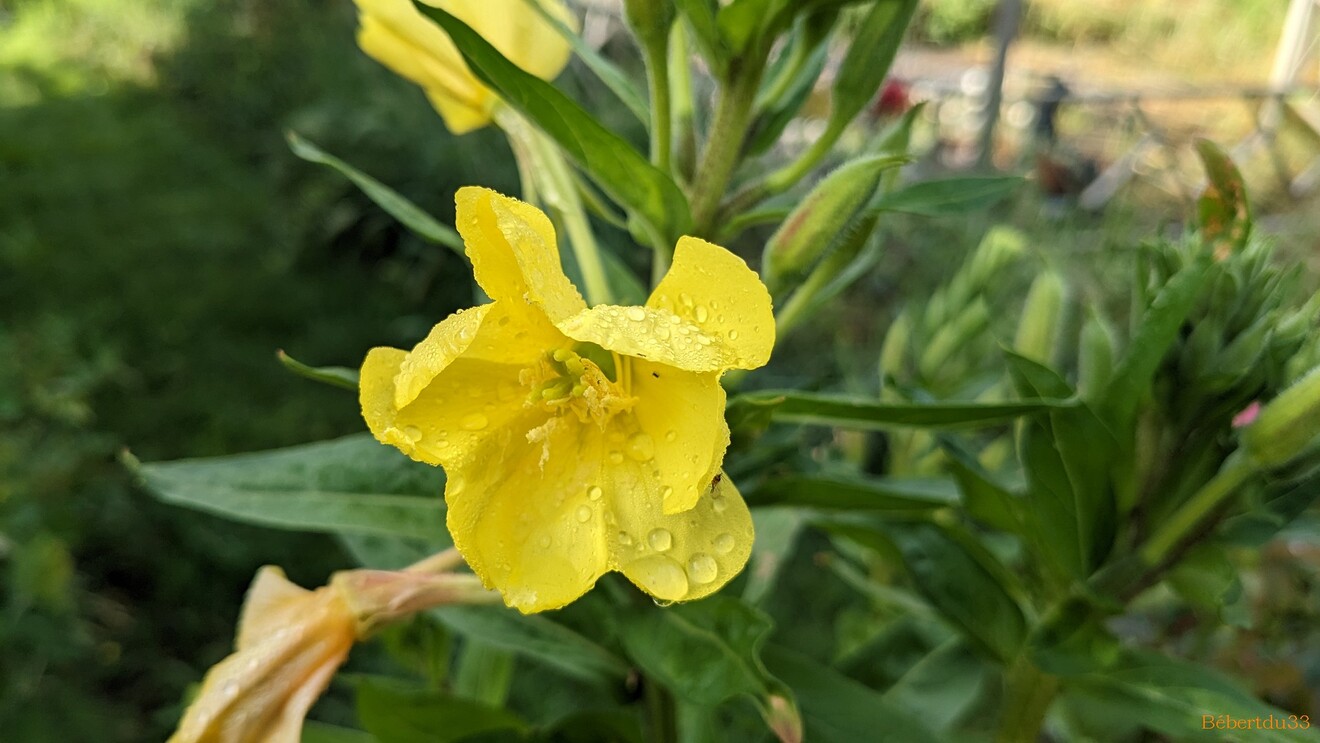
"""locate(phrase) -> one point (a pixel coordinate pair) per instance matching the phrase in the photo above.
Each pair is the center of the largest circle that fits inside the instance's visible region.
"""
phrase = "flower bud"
(810, 229)
(1287, 424)
(1040, 318)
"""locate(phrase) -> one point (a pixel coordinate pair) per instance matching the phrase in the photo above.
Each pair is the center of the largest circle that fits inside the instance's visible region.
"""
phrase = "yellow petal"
(652, 334)
(714, 289)
(528, 514)
(681, 414)
(440, 348)
(290, 643)
(514, 254)
(684, 556)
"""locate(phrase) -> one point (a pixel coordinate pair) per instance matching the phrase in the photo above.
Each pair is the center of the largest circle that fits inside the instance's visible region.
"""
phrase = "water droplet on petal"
(666, 491)
(660, 540)
(733, 335)
(594, 492)
(685, 299)
(230, 689)
(724, 543)
(671, 435)
(719, 503)
(701, 313)
(662, 332)
(641, 447)
(544, 541)
(702, 568)
(660, 576)
(412, 433)
(636, 314)
(474, 421)
(584, 514)
(625, 539)
(616, 457)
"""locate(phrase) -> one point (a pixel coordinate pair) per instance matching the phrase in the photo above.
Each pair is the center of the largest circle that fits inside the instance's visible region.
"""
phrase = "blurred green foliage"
(158, 243)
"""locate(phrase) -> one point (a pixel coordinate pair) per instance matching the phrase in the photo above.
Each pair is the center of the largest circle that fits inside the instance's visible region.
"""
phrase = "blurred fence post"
(1007, 15)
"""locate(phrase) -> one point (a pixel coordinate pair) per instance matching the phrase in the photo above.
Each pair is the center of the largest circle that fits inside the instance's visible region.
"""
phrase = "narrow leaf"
(538, 638)
(823, 409)
(622, 172)
(395, 714)
(854, 493)
(350, 485)
(336, 376)
(949, 196)
(412, 217)
(866, 64)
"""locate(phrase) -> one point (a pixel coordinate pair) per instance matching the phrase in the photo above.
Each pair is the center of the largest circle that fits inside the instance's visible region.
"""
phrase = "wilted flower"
(291, 641)
(398, 36)
(579, 440)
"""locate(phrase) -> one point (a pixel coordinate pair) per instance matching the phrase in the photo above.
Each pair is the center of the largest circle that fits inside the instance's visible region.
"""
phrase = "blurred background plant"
(158, 242)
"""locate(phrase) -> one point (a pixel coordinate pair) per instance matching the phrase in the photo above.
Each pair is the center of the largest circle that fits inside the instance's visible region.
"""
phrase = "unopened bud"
(1040, 318)
(1095, 363)
(810, 229)
(783, 719)
(1286, 424)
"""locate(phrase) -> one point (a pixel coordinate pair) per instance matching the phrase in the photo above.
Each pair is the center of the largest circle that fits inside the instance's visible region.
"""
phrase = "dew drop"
(583, 514)
(660, 576)
(594, 492)
(701, 313)
(625, 539)
(474, 421)
(660, 540)
(616, 457)
(412, 433)
(230, 689)
(702, 568)
(703, 340)
(636, 314)
(719, 503)
(733, 335)
(662, 332)
(641, 447)
(671, 435)
(724, 543)
(665, 492)
(685, 299)
(544, 541)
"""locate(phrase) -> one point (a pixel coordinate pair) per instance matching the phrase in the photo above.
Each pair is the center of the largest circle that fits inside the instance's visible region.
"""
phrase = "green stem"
(733, 114)
(788, 176)
(661, 710)
(1236, 470)
(680, 87)
(555, 187)
(1028, 694)
(656, 53)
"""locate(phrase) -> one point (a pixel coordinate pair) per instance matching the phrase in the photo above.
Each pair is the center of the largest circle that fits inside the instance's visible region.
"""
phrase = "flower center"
(584, 379)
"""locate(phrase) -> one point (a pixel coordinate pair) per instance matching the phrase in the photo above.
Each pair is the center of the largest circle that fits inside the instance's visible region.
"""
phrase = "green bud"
(811, 228)
(649, 19)
(974, 319)
(1287, 424)
(894, 351)
(1040, 318)
(1095, 357)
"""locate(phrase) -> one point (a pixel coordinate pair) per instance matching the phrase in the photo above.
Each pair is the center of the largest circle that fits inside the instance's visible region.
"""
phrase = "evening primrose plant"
(585, 418)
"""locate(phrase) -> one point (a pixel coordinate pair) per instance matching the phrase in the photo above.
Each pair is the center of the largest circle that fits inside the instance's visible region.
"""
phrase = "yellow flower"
(398, 36)
(290, 642)
(579, 440)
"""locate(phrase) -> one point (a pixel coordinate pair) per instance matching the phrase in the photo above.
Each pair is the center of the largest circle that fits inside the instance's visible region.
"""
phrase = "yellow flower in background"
(290, 643)
(579, 440)
(397, 35)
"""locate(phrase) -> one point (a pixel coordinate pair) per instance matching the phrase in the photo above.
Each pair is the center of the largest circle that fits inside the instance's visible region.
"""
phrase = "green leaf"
(610, 75)
(1278, 506)
(1208, 580)
(622, 172)
(1223, 213)
(1158, 330)
(984, 498)
(822, 409)
(396, 714)
(943, 686)
(700, 15)
(484, 673)
(850, 493)
(951, 196)
(538, 638)
(836, 709)
(335, 376)
(706, 652)
(957, 582)
(353, 485)
(866, 64)
(412, 217)
(319, 732)
(777, 111)
(1176, 698)
(777, 533)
